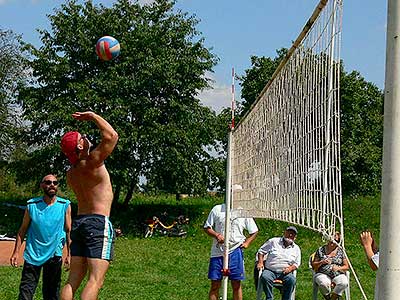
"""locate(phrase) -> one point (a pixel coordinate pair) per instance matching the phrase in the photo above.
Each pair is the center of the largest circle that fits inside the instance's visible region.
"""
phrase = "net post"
(228, 199)
(328, 140)
(228, 192)
(389, 262)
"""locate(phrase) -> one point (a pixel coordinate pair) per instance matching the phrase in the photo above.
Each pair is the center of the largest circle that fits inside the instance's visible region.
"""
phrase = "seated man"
(278, 258)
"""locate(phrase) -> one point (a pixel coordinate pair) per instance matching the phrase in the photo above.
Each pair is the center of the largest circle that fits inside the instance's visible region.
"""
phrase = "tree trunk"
(129, 193)
(117, 193)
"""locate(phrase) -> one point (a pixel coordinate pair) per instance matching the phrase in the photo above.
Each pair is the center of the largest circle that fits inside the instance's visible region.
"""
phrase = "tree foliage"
(12, 72)
(148, 93)
(361, 122)
(255, 78)
(361, 134)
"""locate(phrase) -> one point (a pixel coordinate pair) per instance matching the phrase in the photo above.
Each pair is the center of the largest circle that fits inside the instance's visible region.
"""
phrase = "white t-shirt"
(279, 257)
(216, 221)
(375, 259)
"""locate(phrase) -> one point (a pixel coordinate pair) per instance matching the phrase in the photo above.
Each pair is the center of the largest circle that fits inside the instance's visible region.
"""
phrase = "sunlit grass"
(165, 268)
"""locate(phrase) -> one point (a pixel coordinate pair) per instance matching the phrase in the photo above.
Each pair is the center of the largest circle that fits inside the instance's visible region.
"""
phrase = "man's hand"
(245, 245)
(260, 265)
(366, 238)
(83, 116)
(288, 270)
(220, 238)
(14, 260)
(67, 263)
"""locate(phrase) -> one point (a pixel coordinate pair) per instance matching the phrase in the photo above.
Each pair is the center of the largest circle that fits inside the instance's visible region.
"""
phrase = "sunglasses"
(49, 182)
(84, 137)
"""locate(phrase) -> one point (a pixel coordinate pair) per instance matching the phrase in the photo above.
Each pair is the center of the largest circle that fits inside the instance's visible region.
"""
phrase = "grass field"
(163, 268)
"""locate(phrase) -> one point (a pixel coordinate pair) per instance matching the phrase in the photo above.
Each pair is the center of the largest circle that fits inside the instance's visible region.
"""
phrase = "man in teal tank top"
(46, 225)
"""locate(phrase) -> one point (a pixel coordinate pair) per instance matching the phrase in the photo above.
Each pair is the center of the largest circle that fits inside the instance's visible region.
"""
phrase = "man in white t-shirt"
(372, 253)
(279, 257)
(215, 227)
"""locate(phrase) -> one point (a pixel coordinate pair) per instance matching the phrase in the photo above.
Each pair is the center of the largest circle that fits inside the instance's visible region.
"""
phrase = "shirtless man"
(92, 234)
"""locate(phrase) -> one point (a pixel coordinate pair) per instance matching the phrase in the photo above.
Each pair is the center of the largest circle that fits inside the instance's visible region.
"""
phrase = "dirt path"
(6, 249)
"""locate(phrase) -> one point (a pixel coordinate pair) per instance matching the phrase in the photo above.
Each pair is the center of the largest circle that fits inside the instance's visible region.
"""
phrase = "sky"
(235, 30)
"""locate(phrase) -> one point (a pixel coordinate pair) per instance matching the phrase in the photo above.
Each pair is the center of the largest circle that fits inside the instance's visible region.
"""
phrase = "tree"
(218, 165)
(148, 93)
(255, 78)
(12, 73)
(361, 122)
(361, 134)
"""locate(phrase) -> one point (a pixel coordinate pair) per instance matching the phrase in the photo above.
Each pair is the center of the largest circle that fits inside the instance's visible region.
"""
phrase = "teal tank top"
(46, 236)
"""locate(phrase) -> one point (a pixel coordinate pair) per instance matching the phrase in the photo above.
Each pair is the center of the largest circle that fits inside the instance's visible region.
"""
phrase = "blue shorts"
(92, 236)
(235, 265)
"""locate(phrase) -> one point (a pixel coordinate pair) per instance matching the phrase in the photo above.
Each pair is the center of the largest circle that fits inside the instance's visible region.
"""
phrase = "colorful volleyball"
(107, 48)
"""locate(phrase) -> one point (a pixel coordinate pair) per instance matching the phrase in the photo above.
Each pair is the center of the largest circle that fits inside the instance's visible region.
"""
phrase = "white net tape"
(286, 151)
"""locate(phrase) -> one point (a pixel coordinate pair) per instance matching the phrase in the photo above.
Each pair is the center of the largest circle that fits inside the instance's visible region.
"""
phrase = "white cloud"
(217, 97)
(143, 2)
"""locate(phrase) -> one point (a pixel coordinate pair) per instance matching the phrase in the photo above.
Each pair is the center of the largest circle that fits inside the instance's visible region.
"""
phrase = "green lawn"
(163, 268)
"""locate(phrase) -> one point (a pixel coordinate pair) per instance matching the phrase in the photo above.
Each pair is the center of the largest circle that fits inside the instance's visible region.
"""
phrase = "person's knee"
(266, 278)
(323, 282)
(290, 280)
(326, 284)
(215, 285)
(73, 283)
(236, 285)
(342, 283)
(70, 287)
(341, 286)
(96, 282)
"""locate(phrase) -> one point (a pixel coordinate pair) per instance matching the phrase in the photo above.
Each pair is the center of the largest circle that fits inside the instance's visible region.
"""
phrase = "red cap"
(68, 146)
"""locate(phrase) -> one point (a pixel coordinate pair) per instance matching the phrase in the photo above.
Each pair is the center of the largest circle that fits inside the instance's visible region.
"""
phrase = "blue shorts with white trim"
(235, 266)
(92, 236)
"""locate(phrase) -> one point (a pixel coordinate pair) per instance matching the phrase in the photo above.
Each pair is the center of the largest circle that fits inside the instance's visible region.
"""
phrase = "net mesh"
(286, 150)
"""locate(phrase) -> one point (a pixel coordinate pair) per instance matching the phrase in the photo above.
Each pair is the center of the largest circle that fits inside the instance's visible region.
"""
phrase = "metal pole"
(328, 142)
(227, 217)
(228, 193)
(389, 264)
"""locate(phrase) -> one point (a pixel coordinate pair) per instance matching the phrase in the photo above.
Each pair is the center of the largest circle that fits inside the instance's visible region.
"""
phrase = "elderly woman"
(330, 265)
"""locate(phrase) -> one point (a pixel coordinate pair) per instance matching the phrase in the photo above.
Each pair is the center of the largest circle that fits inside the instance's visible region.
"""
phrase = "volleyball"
(107, 48)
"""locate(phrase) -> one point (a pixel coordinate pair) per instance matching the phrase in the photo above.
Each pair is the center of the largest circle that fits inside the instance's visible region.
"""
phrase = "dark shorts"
(92, 236)
(235, 266)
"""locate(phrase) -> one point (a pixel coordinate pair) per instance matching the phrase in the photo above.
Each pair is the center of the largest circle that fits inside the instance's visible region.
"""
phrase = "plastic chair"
(277, 283)
(315, 285)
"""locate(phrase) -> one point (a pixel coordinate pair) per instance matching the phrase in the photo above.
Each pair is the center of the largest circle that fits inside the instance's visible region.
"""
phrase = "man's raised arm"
(109, 137)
